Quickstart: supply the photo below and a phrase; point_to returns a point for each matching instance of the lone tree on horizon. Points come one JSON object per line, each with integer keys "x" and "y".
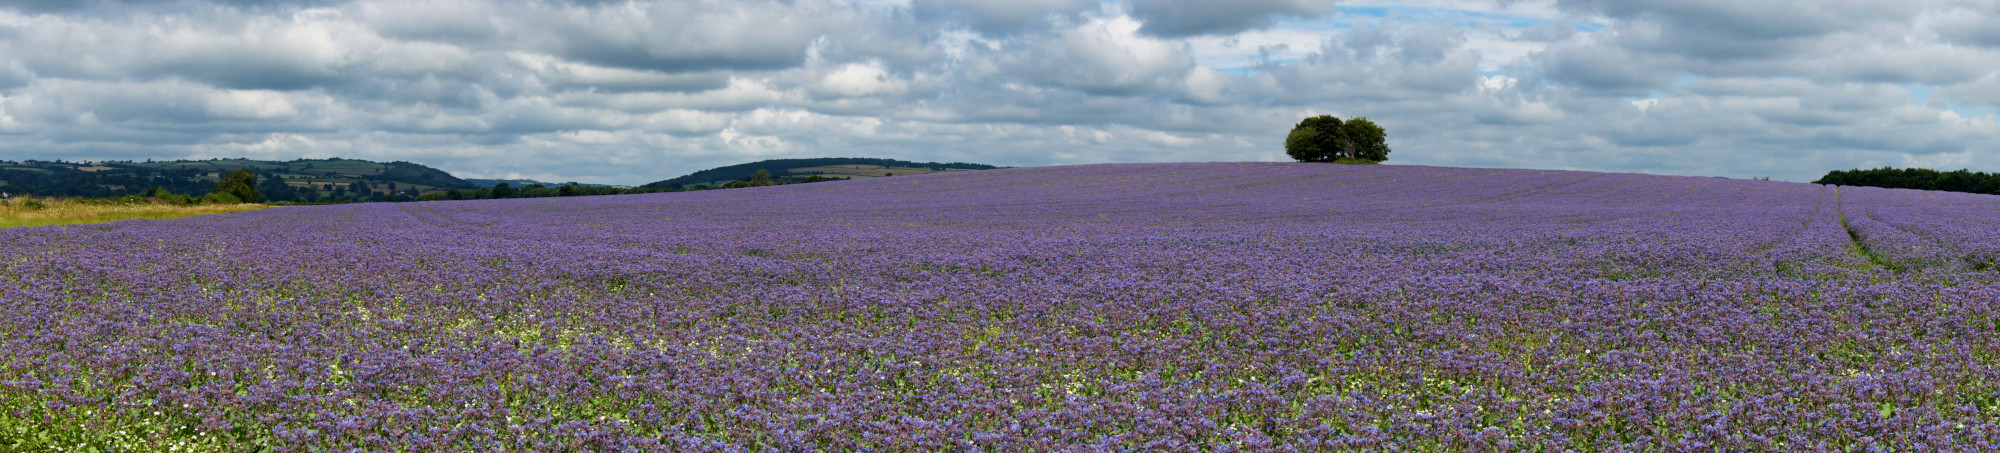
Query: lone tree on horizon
{"x": 1326, "y": 138}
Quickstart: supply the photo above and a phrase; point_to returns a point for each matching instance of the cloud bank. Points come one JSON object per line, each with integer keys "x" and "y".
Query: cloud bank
{"x": 634, "y": 91}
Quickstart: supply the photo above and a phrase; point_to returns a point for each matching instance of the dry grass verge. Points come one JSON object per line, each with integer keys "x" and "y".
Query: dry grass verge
{"x": 21, "y": 211}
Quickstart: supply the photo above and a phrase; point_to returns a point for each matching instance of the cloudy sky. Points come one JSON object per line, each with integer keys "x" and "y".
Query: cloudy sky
{"x": 633, "y": 91}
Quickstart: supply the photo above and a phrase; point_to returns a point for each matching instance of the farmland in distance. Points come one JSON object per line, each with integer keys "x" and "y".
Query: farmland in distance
{"x": 1139, "y": 307}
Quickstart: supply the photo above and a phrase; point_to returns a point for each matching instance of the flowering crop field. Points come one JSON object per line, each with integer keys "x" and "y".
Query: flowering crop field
{"x": 1144, "y": 307}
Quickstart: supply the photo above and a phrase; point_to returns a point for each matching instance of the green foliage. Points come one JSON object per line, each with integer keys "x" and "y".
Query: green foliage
{"x": 220, "y": 198}
{"x": 1314, "y": 139}
{"x": 240, "y": 185}
{"x": 162, "y": 195}
{"x": 1916, "y": 178}
{"x": 27, "y": 425}
{"x": 761, "y": 178}
{"x": 118, "y": 178}
{"x": 33, "y": 204}
{"x": 1365, "y": 140}
{"x": 1326, "y": 138}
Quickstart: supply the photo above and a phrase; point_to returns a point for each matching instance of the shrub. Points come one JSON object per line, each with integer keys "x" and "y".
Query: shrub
{"x": 220, "y": 198}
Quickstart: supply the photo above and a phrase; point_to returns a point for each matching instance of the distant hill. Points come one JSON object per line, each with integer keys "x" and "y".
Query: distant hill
{"x": 827, "y": 167}
{"x": 301, "y": 180}
{"x": 524, "y": 182}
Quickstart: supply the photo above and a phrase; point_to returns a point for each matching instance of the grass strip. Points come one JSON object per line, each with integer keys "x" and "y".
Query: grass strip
{"x": 44, "y": 212}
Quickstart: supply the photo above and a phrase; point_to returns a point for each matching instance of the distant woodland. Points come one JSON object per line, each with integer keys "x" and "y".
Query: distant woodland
{"x": 1917, "y": 178}
{"x": 297, "y": 181}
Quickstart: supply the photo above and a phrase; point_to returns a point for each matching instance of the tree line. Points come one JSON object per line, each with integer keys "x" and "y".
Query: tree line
{"x": 1916, "y": 178}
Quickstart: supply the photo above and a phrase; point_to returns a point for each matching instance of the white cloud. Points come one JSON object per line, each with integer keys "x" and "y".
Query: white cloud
{"x": 859, "y": 80}
{"x": 249, "y": 104}
{"x": 1102, "y": 56}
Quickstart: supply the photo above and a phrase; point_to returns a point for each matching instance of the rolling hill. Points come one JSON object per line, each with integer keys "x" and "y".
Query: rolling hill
{"x": 526, "y": 182}
{"x": 827, "y": 167}
{"x": 297, "y": 180}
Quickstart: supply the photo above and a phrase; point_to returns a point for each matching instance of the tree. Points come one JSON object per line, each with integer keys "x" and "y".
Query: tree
{"x": 240, "y": 185}
{"x": 1314, "y": 139}
{"x": 1326, "y": 138}
{"x": 761, "y": 178}
{"x": 274, "y": 188}
{"x": 1365, "y": 140}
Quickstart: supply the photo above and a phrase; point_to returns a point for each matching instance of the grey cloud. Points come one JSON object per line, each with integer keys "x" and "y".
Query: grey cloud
{"x": 249, "y": 70}
{"x": 1972, "y": 26}
{"x": 1552, "y": 32}
{"x": 467, "y": 21}
{"x": 14, "y": 75}
{"x": 693, "y": 35}
{"x": 1936, "y": 65}
{"x": 1629, "y": 60}
{"x": 562, "y": 75}
{"x": 1380, "y": 63}
{"x": 1749, "y": 19}
{"x": 1752, "y": 87}
{"x": 1000, "y": 17}
{"x": 1179, "y": 18}
{"x": 1101, "y": 57}
{"x": 73, "y": 6}
{"x": 69, "y": 115}
{"x": 1985, "y": 91}
{"x": 1741, "y": 32}
{"x": 1605, "y": 69}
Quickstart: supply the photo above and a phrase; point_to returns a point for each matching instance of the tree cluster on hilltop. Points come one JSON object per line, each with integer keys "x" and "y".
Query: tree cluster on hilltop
{"x": 1916, "y": 178}
{"x": 1326, "y": 138}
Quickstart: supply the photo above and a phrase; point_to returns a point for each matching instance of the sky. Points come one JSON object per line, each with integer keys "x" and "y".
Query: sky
{"x": 634, "y": 91}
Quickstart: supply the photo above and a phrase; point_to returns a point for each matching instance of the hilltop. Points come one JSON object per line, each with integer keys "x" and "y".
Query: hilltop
{"x": 824, "y": 167}
{"x": 528, "y": 182}
{"x": 303, "y": 180}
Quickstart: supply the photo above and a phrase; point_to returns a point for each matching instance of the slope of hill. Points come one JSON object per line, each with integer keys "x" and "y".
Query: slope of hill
{"x": 526, "y": 182}
{"x": 297, "y": 180}
{"x": 828, "y": 167}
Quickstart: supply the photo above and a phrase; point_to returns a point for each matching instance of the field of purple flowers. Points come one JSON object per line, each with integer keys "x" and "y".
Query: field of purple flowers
{"x": 1154, "y": 307}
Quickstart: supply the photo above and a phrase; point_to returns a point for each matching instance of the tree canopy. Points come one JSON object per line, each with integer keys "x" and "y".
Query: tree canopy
{"x": 1326, "y": 138}
{"x": 1916, "y": 178}
{"x": 240, "y": 185}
